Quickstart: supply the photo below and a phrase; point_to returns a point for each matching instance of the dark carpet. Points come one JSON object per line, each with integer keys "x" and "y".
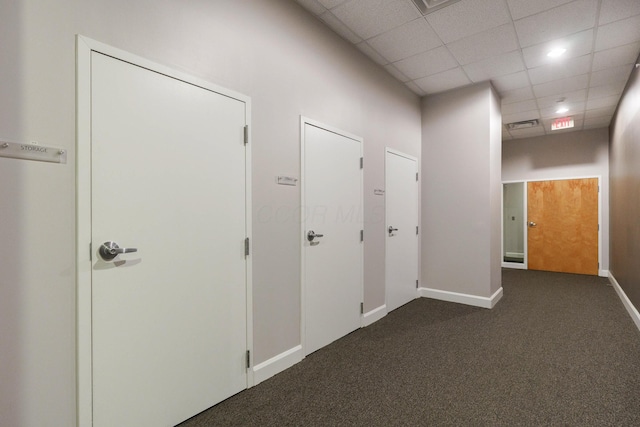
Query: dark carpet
{"x": 558, "y": 349}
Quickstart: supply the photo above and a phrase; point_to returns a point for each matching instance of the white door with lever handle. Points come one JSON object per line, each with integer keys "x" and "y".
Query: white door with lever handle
{"x": 331, "y": 224}
{"x": 168, "y": 285}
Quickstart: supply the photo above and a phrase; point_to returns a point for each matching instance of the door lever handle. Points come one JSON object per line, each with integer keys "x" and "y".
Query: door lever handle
{"x": 312, "y": 235}
{"x": 110, "y": 250}
{"x": 391, "y": 229}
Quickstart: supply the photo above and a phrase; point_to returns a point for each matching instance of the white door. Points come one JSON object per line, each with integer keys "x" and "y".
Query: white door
{"x": 332, "y": 261}
{"x": 169, "y": 328}
{"x": 401, "y": 200}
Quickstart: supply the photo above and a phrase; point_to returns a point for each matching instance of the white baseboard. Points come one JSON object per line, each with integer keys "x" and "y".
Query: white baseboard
{"x": 374, "y": 315}
{"x": 603, "y": 273}
{"x": 277, "y": 364}
{"x": 633, "y": 312}
{"x": 459, "y": 298}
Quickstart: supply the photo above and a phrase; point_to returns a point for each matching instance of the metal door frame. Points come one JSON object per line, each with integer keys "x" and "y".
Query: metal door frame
{"x": 84, "y": 47}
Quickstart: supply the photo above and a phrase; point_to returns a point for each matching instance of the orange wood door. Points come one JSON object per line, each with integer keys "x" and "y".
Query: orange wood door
{"x": 565, "y": 235}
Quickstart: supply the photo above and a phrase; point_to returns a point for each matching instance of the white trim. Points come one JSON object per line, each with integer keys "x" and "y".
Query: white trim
{"x": 374, "y": 315}
{"x": 603, "y": 273}
{"x": 633, "y": 311}
{"x": 265, "y": 370}
{"x": 514, "y": 265}
{"x": 84, "y": 47}
{"x": 304, "y": 121}
{"x": 459, "y": 298}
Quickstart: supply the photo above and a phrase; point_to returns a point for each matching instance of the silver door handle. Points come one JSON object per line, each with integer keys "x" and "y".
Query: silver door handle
{"x": 312, "y": 235}
{"x": 391, "y": 229}
{"x": 110, "y": 250}
{"x": 532, "y": 224}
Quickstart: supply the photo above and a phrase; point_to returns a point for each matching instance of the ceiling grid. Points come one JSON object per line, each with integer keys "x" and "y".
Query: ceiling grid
{"x": 462, "y": 42}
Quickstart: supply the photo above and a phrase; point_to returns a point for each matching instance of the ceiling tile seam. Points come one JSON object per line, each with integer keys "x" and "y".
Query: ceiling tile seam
{"x": 535, "y": 98}
{"x": 396, "y": 27}
{"x": 593, "y": 52}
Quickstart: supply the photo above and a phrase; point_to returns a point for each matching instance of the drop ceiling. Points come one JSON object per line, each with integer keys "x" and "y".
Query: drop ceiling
{"x": 463, "y": 42}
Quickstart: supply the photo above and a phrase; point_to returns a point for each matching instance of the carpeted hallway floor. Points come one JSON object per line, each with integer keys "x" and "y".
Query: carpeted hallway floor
{"x": 558, "y": 349}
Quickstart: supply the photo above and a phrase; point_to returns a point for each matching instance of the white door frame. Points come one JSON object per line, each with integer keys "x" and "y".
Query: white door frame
{"x": 84, "y": 47}
{"x": 386, "y": 239}
{"x": 525, "y": 266}
{"x": 304, "y": 121}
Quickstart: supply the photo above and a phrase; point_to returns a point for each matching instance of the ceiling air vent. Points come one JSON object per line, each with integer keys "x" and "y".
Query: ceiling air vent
{"x": 523, "y": 125}
{"x": 428, "y": 6}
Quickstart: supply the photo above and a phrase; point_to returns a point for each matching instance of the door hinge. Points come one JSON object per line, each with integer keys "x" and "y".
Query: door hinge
{"x": 362, "y": 235}
{"x": 417, "y": 284}
{"x": 361, "y": 308}
{"x": 246, "y": 134}
{"x": 361, "y": 162}
{"x": 246, "y": 247}
{"x": 416, "y": 176}
{"x": 416, "y": 230}
{"x": 248, "y": 359}
{"x": 90, "y": 251}
{"x": 598, "y": 227}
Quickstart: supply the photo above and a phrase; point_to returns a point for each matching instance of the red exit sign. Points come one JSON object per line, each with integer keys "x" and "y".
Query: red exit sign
{"x": 563, "y": 123}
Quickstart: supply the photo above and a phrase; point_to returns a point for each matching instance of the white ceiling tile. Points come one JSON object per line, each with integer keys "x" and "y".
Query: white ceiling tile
{"x": 575, "y": 110}
{"x": 521, "y": 8}
{"x": 396, "y": 73}
{"x": 368, "y": 18}
{"x": 621, "y": 55}
{"x": 519, "y": 117}
{"x": 511, "y": 81}
{"x": 443, "y": 81}
{"x": 599, "y": 112}
{"x": 406, "y": 40}
{"x": 371, "y": 53}
{"x": 568, "y": 97}
{"x": 555, "y": 87}
{"x": 528, "y": 132}
{"x": 597, "y": 122}
{"x": 506, "y": 136}
{"x": 618, "y": 33}
{"x": 597, "y": 103}
{"x": 313, "y": 6}
{"x": 614, "y": 89}
{"x": 556, "y": 23}
{"x": 614, "y": 10}
{"x": 484, "y": 45}
{"x": 427, "y": 63}
{"x": 611, "y": 75}
{"x": 561, "y": 69}
{"x": 516, "y": 95}
{"x": 415, "y": 88}
{"x": 468, "y": 17}
{"x": 519, "y": 107}
{"x": 336, "y": 25}
{"x": 578, "y": 44}
{"x": 497, "y": 66}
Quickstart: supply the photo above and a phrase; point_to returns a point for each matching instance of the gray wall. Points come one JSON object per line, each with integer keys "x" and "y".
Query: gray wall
{"x": 461, "y": 191}
{"x": 565, "y": 155}
{"x": 270, "y": 50}
{"x": 625, "y": 191}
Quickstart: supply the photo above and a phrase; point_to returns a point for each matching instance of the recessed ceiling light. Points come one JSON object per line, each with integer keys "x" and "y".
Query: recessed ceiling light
{"x": 562, "y": 110}
{"x": 556, "y": 52}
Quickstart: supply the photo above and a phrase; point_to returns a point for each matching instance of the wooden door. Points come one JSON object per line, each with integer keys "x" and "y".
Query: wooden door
{"x": 563, "y": 225}
{"x": 169, "y": 329}
{"x": 333, "y": 259}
